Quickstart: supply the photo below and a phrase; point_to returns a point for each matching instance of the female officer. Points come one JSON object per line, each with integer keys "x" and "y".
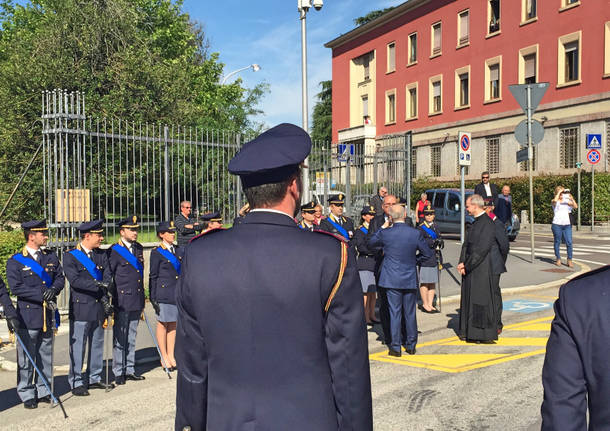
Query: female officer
{"x": 428, "y": 271}
{"x": 366, "y": 264}
{"x": 164, "y": 272}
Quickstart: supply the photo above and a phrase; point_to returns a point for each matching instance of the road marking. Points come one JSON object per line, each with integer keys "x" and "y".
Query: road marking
{"x": 536, "y": 327}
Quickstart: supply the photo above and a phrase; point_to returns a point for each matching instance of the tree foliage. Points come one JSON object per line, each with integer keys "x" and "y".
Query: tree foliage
{"x": 371, "y": 16}
{"x": 141, "y": 60}
{"x": 322, "y": 127}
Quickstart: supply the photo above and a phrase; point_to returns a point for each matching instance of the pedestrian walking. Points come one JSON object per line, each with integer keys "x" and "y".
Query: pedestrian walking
{"x": 186, "y": 226}
{"x": 478, "y": 319}
{"x": 366, "y": 264}
{"x": 575, "y": 375}
{"x": 429, "y": 267}
{"x": 486, "y": 189}
{"x": 377, "y": 200}
{"x": 88, "y": 272}
{"x": 307, "y": 212}
{"x": 126, "y": 259}
{"x": 271, "y": 331}
{"x": 165, "y": 268}
{"x": 398, "y": 275}
{"x": 563, "y": 204}
{"x": 422, "y": 203}
{"x": 35, "y": 276}
{"x": 336, "y": 223}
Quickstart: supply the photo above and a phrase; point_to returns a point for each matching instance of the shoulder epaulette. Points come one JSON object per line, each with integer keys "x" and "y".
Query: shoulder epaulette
{"x": 207, "y": 232}
{"x": 339, "y": 237}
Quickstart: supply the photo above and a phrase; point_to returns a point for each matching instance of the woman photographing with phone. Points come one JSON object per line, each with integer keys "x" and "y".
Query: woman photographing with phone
{"x": 563, "y": 204}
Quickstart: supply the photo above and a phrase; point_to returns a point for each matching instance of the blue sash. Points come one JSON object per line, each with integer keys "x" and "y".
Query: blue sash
{"x": 36, "y": 268}
{"x": 172, "y": 259}
{"x": 429, "y": 231}
{"x": 339, "y": 228}
{"x": 89, "y": 265}
{"x": 57, "y": 318}
{"x": 125, "y": 254}
{"x": 364, "y": 230}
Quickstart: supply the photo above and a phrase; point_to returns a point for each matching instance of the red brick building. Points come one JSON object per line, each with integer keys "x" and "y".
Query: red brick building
{"x": 436, "y": 67}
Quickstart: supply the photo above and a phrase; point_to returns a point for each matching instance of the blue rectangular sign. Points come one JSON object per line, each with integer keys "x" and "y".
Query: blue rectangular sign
{"x": 526, "y": 305}
{"x": 343, "y": 151}
{"x": 594, "y": 141}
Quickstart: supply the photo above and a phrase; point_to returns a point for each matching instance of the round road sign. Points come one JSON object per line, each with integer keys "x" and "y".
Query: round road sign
{"x": 465, "y": 143}
{"x": 594, "y": 156}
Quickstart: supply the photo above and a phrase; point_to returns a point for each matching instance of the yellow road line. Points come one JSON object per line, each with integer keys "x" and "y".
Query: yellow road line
{"x": 534, "y": 327}
{"x": 528, "y": 322}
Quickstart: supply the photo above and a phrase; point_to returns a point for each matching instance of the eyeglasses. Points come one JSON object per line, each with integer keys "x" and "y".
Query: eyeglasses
{"x": 188, "y": 208}
{"x": 485, "y": 178}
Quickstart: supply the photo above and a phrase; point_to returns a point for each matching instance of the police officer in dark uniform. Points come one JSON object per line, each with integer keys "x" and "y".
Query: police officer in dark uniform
{"x": 87, "y": 270}
{"x": 336, "y": 223}
{"x": 271, "y": 331}
{"x": 307, "y": 212}
{"x": 366, "y": 264}
{"x": 165, "y": 267}
{"x": 187, "y": 226}
{"x": 428, "y": 266}
{"x": 35, "y": 276}
{"x": 126, "y": 259}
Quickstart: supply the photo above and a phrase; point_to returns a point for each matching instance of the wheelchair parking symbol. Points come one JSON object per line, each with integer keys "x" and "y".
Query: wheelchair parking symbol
{"x": 525, "y": 306}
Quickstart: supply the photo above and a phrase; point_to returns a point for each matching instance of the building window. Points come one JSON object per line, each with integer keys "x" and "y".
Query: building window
{"x": 414, "y": 163}
{"x": 391, "y": 57}
{"x": 463, "y": 28}
{"x": 523, "y": 165}
{"x": 493, "y": 79}
{"x": 607, "y": 48}
{"x": 493, "y": 14}
{"x": 568, "y": 152}
{"x": 462, "y": 87}
{"x": 435, "y": 159}
{"x": 413, "y": 48}
{"x": 568, "y": 61}
{"x": 365, "y": 107}
{"x": 528, "y": 65}
{"x": 528, "y": 10}
{"x": 412, "y": 101}
{"x": 435, "y": 102}
{"x": 366, "y": 63}
{"x": 493, "y": 155}
{"x": 436, "y": 39}
{"x": 390, "y": 107}
{"x": 569, "y": 3}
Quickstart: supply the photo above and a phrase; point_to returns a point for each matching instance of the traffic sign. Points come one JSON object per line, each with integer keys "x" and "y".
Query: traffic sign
{"x": 464, "y": 141}
{"x": 521, "y": 132}
{"x": 522, "y": 155}
{"x": 519, "y": 92}
{"x": 594, "y": 141}
{"x": 344, "y": 151}
{"x": 593, "y": 157}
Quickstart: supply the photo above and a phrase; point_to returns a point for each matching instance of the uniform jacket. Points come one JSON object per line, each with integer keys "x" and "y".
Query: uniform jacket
{"x": 163, "y": 276}
{"x": 366, "y": 256}
{"x": 374, "y": 226}
{"x": 304, "y": 226}
{"x": 28, "y": 287}
{"x": 5, "y": 301}
{"x": 84, "y": 293}
{"x": 429, "y": 261}
{"x": 286, "y": 364}
{"x": 400, "y": 245}
{"x": 346, "y": 223}
{"x": 499, "y": 253}
{"x": 184, "y": 234}
{"x": 128, "y": 280}
{"x": 479, "y": 189}
{"x": 575, "y": 375}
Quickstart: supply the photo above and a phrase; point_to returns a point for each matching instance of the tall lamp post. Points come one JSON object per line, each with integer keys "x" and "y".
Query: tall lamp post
{"x": 255, "y": 68}
{"x": 304, "y": 6}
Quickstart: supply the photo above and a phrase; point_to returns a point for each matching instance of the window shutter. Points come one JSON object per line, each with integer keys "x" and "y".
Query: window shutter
{"x": 494, "y": 72}
{"x": 530, "y": 66}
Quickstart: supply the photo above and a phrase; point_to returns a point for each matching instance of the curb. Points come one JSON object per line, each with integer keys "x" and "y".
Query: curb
{"x": 530, "y": 287}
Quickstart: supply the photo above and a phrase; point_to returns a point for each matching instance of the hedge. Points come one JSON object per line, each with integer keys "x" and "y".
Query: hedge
{"x": 10, "y": 243}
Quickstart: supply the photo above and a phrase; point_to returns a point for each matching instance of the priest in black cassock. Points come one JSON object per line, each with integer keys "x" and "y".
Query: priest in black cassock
{"x": 478, "y": 319}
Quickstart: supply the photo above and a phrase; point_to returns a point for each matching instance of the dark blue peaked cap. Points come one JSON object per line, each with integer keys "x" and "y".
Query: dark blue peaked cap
{"x": 272, "y": 157}
{"x": 94, "y": 226}
{"x": 35, "y": 225}
{"x": 166, "y": 226}
{"x": 213, "y": 216}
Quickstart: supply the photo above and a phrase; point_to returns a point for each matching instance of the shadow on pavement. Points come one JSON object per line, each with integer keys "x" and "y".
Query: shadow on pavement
{"x": 454, "y": 321}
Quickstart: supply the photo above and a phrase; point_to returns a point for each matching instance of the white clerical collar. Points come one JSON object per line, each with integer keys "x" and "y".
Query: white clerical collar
{"x": 31, "y": 250}
{"x": 271, "y": 210}
{"x": 479, "y": 215}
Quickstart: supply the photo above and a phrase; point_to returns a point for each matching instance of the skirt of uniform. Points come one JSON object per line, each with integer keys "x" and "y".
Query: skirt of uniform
{"x": 168, "y": 313}
{"x": 367, "y": 280}
{"x": 428, "y": 274}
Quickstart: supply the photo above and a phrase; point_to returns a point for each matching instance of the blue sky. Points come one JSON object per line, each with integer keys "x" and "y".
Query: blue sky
{"x": 269, "y": 33}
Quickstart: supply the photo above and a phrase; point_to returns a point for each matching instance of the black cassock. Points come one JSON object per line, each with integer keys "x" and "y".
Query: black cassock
{"x": 478, "y": 308}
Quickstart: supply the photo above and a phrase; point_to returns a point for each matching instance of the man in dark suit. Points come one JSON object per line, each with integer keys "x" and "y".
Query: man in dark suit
{"x": 86, "y": 268}
{"x": 485, "y": 189}
{"x": 504, "y": 206}
{"x": 398, "y": 275}
{"x": 575, "y": 375}
{"x": 296, "y": 356}
{"x": 377, "y": 200}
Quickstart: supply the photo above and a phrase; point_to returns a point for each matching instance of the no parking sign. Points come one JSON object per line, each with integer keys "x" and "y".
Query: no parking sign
{"x": 594, "y": 156}
{"x": 464, "y": 141}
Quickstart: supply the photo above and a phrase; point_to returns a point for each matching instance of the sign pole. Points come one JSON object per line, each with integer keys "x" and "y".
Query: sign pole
{"x": 578, "y": 225}
{"x": 530, "y": 162}
{"x": 592, "y": 197}
{"x": 463, "y": 206}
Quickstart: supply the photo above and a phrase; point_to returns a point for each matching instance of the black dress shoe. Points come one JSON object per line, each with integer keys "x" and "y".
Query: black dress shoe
{"x": 30, "y": 404}
{"x": 99, "y": 385}
{"x": 410, "y": 351}
{"x": 119, "y": 380}
{"x": 134, "y": 377}
{"x": 172, "y": 369}
{"x": 80, "y": 391}
{"x": 45, "y": 399}
{"x": 391, "y": 352}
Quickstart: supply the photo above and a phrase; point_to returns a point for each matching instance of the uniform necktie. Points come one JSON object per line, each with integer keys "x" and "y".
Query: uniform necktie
{"x": 90, "y": 254}
{"x": 37, "y": 256}
{"x": 171, "y": 250}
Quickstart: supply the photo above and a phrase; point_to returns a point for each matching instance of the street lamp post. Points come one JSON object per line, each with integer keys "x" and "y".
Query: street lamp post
{"x": 255, "y": 67}
{"x": 303, "y": 7}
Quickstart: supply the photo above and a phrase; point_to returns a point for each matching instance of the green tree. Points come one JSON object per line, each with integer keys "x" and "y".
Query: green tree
{"x": 141, "y": 60}
{"x": 322, "y": 127}
{"x": 371, "y": 16}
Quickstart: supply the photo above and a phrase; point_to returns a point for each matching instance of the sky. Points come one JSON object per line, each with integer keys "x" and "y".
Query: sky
{"x": 269, "y": 33}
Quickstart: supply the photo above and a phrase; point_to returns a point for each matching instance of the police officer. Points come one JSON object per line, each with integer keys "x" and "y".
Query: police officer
{"x": 187, "y": 226}
{"x": 86, "y": 268}
{"x": 212, "y": 220}
{"x": 8, "y": 309}
{"x": 296, "y": 356}
{"x": 126, "y": 259}
{"x": 336, "y": 223}
{"x": 307, "y": 211}
{"x": 35, "y": 276}
{"x": 428, "y": 267}
{"x": 165, "y": 266}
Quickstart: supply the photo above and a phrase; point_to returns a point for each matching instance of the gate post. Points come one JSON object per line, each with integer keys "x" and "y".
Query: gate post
{"x": 166, "y": 170}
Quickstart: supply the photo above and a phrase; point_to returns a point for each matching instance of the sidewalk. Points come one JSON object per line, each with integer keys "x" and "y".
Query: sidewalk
{"x": 599, "y": 233}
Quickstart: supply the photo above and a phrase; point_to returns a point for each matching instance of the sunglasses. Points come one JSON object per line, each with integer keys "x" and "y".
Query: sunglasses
{"x": 485, "y": 178}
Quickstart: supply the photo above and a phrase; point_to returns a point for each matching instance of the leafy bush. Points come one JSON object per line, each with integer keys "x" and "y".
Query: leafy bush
{"x": 10, "y": 243}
